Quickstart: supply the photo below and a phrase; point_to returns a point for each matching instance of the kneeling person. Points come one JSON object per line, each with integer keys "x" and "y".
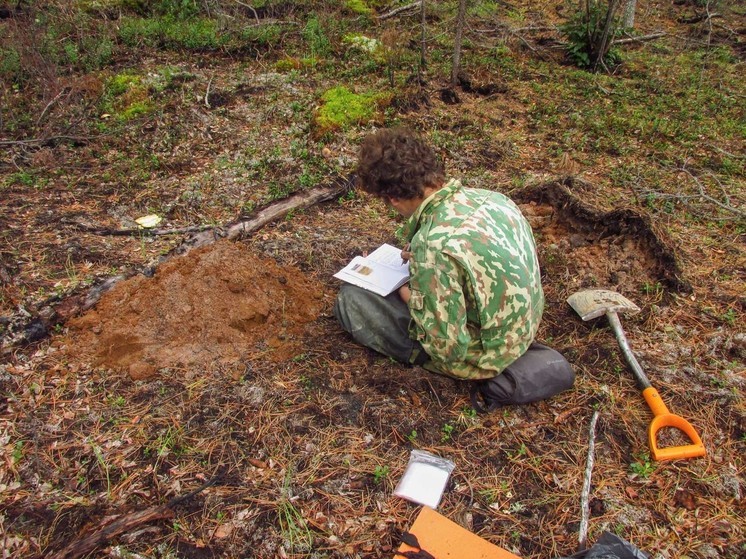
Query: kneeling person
{"x": 474, "y": 299}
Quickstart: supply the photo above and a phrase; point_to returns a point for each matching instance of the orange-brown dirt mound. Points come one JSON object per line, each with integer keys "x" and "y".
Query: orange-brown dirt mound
{"x": 216, "y": 305}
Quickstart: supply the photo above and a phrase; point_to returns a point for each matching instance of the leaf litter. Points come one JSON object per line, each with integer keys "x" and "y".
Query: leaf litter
{"x": 176, "y": 378}
{"x": 226, "y": 361}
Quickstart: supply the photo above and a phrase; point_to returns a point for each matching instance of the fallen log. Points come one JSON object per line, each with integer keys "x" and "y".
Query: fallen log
{"x": 202, "y": 235}
{"x": 243, "y": 228}
{"x": 126, "y": 523}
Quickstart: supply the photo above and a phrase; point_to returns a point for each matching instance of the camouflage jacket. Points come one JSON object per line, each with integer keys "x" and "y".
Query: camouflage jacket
{"x": 476, "y": 298}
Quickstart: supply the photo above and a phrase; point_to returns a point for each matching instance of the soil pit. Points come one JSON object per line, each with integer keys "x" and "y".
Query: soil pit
{"x": 217, "y": 305}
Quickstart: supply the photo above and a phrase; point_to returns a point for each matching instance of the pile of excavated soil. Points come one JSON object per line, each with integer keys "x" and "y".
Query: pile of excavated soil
{"x": 214, "y": 306}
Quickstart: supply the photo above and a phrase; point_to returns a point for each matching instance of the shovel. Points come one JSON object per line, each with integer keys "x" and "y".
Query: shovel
{"x": 593, "y": 303}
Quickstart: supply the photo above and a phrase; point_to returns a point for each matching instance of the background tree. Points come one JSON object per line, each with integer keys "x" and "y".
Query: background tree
{"x": 456, "y": 68}
{"x": 423, "y": 43}
{"x": 628, "y": 16}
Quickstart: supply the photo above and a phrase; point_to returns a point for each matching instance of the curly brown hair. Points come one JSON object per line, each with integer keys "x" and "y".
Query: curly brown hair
{"x": 396, "y": 163}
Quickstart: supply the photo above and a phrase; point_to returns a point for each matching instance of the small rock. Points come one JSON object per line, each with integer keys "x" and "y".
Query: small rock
{"x": 577, "y": 240}
{"x": 35, "y": 331}
{"x": 140, "y": 371}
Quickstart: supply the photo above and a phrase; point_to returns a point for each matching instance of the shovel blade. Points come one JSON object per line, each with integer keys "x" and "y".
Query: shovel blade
{"x": 592, "y": 303}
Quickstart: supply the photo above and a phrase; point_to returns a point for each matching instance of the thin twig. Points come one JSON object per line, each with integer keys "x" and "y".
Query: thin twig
{"x": 584, "y": 496}
{"x": 272, "y": 21}
{"x": 729, "y": 154}
{"x": 45, "y": 140}
{"x": 641, "y": 39}
{"x": 709, "y": 198}
{"x": 434, "y": 392}
{"x": 256, "y": 16}
{"x": 397, "y": 11}
{"x": 52, "y": 102}
{"x": 207, "y": 93}
{"x": 705, "y": 16}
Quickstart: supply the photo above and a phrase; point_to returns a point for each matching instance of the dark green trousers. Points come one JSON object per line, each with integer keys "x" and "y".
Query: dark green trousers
{"x": 380, "y": 323}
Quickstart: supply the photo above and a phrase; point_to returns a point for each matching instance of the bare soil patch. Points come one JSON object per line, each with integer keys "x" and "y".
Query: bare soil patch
{"x": 215, "y": 305}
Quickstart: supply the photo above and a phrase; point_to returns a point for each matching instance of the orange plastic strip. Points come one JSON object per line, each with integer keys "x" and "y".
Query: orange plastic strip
{"x": 444, "y": 539}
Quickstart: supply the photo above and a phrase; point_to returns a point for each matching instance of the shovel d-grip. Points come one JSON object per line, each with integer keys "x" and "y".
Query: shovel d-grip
{"x": 594, "y": 303}
{"x": 664, "y": 418}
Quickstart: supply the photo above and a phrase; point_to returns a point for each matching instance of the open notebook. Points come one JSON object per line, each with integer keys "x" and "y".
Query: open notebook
{"x": 382, "y": 271}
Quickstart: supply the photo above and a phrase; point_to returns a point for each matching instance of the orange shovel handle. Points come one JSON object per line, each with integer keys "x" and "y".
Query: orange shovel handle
{"x": 664, "y": 418}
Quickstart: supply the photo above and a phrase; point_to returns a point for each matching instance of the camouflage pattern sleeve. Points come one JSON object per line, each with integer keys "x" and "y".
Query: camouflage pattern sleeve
{"x": 438, "y": 306}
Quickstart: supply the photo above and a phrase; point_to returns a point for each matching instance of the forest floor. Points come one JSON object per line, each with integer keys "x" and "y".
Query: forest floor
{"x": 135, "y": 369}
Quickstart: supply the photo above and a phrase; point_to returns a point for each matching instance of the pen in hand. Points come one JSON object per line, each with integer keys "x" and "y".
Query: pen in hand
{"x": 405, "y": 254}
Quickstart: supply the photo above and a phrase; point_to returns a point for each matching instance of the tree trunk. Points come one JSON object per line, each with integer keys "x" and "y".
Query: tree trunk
{"x": 604, "y": 42}
{"x": 628, "y": 18}
{"x": 423, "y": 45}
{"x": 457, "y": 42}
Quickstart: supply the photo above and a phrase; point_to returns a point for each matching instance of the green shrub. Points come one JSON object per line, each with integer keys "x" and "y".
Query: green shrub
{"x": 193, "y": 34}
{"x": 98, "y": 53}
{"x": 263, "y": 36}
{"x": 589, "y": 34}
{"x": 315, "y": 36}
{"x": 179, "y": 9}
{"x": 135, "y": 31}
{"x": 10, "y": 64}
{"x": 89, "y": 55}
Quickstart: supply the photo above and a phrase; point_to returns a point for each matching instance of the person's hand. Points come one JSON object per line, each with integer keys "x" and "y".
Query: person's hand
{"x": 405, "y": 293}
{"x": 405, "y": 254}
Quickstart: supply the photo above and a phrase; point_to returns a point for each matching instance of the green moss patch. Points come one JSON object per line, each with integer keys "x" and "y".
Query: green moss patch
{"x": 343, "y": 108}
{"x": 358, "y": 7}
{"x": 126, "y": 96}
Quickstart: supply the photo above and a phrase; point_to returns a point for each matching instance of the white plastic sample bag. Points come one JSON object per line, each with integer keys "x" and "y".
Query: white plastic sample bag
{"x": 424, "y": 479}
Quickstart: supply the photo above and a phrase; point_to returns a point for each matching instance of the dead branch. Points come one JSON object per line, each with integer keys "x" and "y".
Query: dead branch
{"x": 585, "y": 494}
{"x": 204, "y": 235}
{"x": 52, "y": 102}
{"x": 45, "y": 141}
{"x": 273, "y": 21}
{"x": 703, "y": 195}
{"x": 263, "y": 217}
{"x": 691, "y": 199}
{"x": 126, "y": 523}
{"x": 641, "y": 39}
{"x": 236, "y": 230}
{"x": 726, "y": 153}
{"x": 704, "y": 16}
{"x": 207, "y": 93}
{"x": 135, "y": 232}
{"x": 266, "y": 21}
{"x": 528, "y": 45}
{"x": 397, "y": 11}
